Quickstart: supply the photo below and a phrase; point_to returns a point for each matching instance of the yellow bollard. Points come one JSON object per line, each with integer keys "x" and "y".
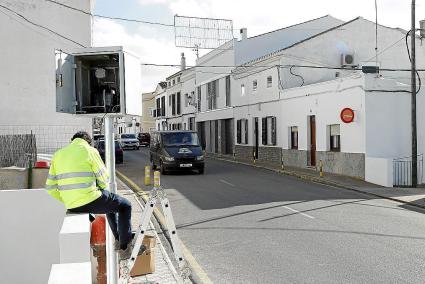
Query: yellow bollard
{"x": 156, "y": 179}
{"x": 147, "y": 175}
{"x": 321, "y": 168}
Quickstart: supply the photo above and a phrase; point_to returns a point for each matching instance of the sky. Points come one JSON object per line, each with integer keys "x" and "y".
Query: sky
{"x": 156, "y": 44}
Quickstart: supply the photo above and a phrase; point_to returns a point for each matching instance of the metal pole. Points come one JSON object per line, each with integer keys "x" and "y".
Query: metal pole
{"x": 111, "y": 255}
{"x": 413, "y": 91}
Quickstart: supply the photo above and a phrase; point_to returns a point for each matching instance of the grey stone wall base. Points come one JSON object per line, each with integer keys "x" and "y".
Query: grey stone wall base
{"x": 270, "y": 155}
{"x": 243, "y": 153}
{"x": 349, "y": 164}
{"x": 294, "y": 158}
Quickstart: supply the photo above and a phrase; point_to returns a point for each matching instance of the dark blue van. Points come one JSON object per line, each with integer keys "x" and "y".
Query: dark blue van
{"x": 176, "y": 150}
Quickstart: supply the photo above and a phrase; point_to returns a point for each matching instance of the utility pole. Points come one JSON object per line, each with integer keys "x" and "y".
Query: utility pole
{"x": 111, "y": 255}
{"x": 413, "y": 102}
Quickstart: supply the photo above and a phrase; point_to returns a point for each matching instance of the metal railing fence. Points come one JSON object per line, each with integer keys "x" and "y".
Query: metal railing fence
{"x": 402, "y": 171}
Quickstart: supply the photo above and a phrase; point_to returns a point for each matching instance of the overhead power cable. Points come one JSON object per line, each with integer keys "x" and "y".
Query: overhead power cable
{"x": 282, "y": 66}
{"x": 40, "y": 26}
{"x": 410, "y": 58}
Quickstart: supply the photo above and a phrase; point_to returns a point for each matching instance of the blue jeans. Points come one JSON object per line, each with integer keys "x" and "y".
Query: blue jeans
{"x": 117, "y": 210}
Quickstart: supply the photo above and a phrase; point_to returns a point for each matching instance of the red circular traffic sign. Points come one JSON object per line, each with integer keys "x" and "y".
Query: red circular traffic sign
{"x": 347, "y": 115}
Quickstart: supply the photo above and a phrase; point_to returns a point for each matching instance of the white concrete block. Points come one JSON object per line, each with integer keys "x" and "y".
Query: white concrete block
{"x": 379, "y": 171}
{"x": 32, "y": 220}
{"x": 74, "y": 239}
{"x": 71, "y": 273}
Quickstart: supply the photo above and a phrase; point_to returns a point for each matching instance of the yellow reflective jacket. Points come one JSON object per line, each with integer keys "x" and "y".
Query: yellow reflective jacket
{"x": 76, "y": 172}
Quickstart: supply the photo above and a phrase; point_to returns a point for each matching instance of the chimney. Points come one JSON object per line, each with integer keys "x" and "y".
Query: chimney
{"x": 243, "y": 33}
{"x": 183, "y": 62}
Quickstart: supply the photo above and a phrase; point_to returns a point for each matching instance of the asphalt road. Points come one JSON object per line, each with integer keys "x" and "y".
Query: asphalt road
{"x": 248, "y": 225}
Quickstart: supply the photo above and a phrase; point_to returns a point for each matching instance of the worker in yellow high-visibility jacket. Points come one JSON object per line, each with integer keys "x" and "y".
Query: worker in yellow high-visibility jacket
{"x": 78, "y": 177}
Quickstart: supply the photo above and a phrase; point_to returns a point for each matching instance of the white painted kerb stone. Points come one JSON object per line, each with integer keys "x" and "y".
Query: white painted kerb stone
{"x": 71, "y": 273}
{"x": 74, "y": 239}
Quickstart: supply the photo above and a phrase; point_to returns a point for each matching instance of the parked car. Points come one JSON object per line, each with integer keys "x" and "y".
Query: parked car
{"x": 129, "y": 141}
{"x": 119, "y": 155}
{"x": 176, "y": 150}
{"x": 144, "y": 139}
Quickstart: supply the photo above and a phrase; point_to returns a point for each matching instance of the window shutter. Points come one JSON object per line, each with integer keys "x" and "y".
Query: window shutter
{"x": 334, "y": 129}
{"x": 264, "y": 130}
{"x": 246, "y": 131}
{"x": 179, "y": 103}
{"x": 273, "y": 130}
{"x": 216, "y": 92}
{"x": 238, "y": 135}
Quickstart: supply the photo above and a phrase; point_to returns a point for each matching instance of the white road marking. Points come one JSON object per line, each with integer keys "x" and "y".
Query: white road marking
{"x": 226, "y": 182}
{"x": 296, "y": 211}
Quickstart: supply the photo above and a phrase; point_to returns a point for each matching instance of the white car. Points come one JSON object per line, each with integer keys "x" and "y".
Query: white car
{"x": 129, "y": 141}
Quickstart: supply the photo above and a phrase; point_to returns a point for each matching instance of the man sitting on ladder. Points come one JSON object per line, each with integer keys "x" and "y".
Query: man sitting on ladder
{"x": 78, "y": 178}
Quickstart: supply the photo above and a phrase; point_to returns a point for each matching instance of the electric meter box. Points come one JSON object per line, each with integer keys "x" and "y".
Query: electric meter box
{"x": 98, "y": 80}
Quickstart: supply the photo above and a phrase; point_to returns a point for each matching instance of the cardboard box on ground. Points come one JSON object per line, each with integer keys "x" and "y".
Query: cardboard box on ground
{"x": 145, "y": 262}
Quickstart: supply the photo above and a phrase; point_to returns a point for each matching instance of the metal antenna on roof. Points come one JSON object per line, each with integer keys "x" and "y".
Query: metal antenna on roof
{"x": 196, "y": 49}
{"x": 205, "y": 33}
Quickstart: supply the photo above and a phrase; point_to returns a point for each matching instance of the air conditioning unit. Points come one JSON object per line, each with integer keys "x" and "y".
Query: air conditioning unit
{"x": 347, "y": 59}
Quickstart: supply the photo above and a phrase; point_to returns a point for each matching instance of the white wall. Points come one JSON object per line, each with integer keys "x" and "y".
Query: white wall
{"x": 325, "y": 101}
{"x": 255, "y": 47}
{"x": 28, "y": 60}
{"x": 388, "y": 132}
{"x": 356, "y": 37}
{"x": 188, "y": 86}
{"x": 30, "y": 223}
{"x": 222, "y": 56}
{"x": 379, "y": 171}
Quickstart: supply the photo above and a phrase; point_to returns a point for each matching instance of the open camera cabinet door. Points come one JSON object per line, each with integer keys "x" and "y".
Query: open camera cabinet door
{"x": 98, "y": 80}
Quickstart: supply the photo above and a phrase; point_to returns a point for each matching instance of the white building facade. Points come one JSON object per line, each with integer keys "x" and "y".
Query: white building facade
{"x": 289, "y": 113}
{"x": 282, "y": 104}
{"x": 28, "y": 83}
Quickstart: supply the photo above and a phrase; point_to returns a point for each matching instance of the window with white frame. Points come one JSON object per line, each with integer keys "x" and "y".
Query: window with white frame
{"x": 268, "y": 130}
{"x": 186, "y": 100}
{"x": 173, "y": 104}
{"x": 242, "y": 90}
{"x": 191, "y": 123}
{"x": 158, "y": 107}
{"x": 269, "y": 81}
{"x": 294, "y": 137}
{"x": 198, "y": 103}
{"x": 212, "y": 94}
{"x": 178, "y": 103}
{"x": 334, "y": 138}
{"x": 254, "y": 85}
{"x": 163, "y": 106}
{"x": 242, "y": 131}
{"x": 228, "y": 97}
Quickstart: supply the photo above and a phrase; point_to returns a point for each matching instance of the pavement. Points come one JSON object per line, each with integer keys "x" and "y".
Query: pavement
{"x": 242, "y": 224}
{"x": 164, "y": 268}
{"x": 411, "y": 196}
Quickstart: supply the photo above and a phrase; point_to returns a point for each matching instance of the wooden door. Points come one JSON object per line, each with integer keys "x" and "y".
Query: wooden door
{"x": 255, "y": 154}
{"x": 312, "y": 140}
